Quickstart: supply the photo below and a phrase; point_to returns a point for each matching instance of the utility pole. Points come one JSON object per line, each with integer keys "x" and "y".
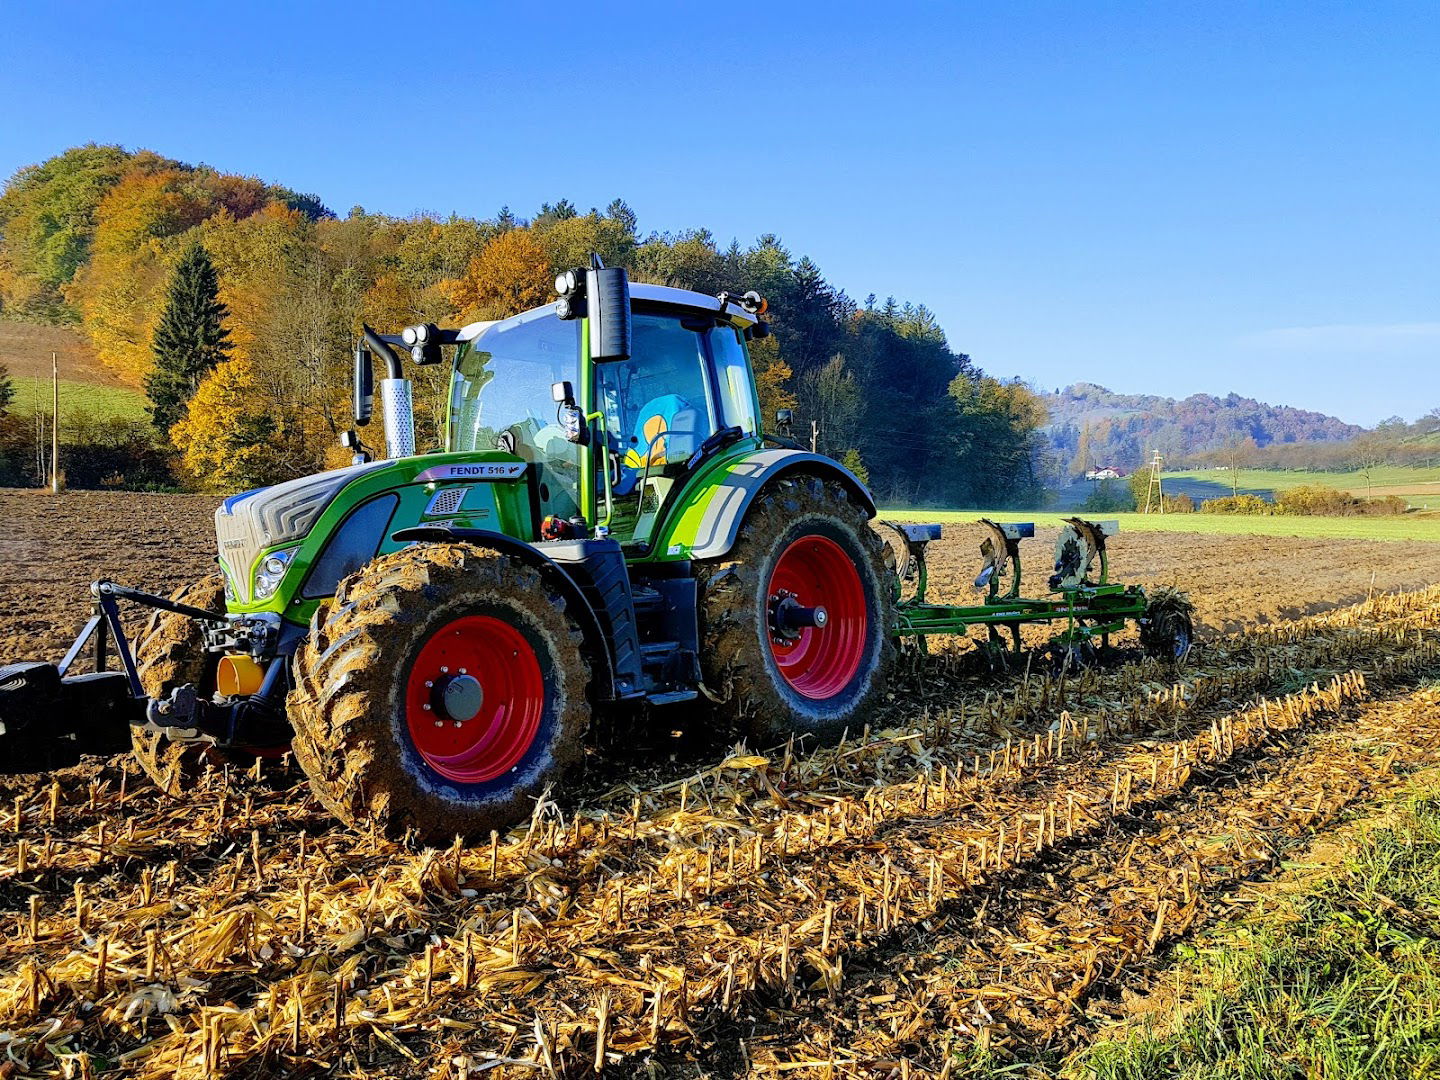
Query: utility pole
{"x": 1154, "y": 487}
{"x": 55, "y": 426}
{"x": 814, "y": 436}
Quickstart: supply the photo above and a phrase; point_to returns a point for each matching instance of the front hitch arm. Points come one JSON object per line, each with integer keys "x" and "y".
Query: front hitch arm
{"x": 104, "y": 624}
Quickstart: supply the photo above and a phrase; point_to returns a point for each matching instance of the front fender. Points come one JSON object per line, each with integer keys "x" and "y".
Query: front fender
{"x": 596, "y": 647}
{"x": 708, "y": 519}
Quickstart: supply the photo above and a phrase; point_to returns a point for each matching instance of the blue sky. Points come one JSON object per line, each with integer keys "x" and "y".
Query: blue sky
{"x": 1162, "y": 197}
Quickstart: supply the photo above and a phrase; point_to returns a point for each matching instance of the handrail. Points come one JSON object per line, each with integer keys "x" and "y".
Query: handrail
{"x": 604, "y": 463}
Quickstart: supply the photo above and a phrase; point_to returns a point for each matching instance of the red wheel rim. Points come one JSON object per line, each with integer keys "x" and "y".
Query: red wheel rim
{"x": 478, "y": 748}
{"x": 820, "y": 662}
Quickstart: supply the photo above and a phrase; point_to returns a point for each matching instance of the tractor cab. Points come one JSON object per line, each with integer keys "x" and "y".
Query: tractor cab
{"x": 608, "y": 437}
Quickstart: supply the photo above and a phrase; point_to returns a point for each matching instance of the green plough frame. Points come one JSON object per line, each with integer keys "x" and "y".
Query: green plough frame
{"x": 1089, "y": 610}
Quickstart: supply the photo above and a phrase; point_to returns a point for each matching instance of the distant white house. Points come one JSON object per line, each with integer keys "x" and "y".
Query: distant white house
{"x": 1106, "y": 473}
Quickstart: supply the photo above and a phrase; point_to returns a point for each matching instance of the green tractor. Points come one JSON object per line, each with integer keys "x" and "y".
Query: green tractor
{"x": 606, "y": 526}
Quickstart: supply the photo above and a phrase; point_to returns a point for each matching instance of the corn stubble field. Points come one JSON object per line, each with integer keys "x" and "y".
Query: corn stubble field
{"x": 993, "y": 871}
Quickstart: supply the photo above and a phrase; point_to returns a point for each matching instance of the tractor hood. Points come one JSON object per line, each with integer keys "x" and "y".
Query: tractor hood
{"x": 254, "y": 521}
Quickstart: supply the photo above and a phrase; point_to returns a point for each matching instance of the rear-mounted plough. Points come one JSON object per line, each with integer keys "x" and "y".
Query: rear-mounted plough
{"x": 1082, "y": 597}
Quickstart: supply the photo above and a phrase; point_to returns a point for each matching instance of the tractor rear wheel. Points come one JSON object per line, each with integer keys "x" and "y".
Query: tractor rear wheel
{"x": 441, "y": 690}
{"x": 796, "y": 617}
{"x": 170, "y": 652}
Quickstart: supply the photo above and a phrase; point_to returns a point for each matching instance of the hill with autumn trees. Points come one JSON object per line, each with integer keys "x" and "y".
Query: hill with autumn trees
{"x": 92, "y": 238}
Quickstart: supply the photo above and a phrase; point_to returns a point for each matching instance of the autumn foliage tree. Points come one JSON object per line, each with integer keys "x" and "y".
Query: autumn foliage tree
{"x": 511, "y": 274}
{"x": 48, "y": 214}
{"x": 190, "y": 340}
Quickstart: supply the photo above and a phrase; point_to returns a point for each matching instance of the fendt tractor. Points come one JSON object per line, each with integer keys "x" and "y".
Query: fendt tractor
{"x": 606, "y": 526}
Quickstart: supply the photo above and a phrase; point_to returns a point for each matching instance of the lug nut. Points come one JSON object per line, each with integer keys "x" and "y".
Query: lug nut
{"x": 428, "y": 685}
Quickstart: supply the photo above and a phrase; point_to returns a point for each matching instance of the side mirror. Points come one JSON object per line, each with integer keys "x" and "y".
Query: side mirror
{"x": 570, "y": 416}
{"x": 364, "y": 386}
{"x": 784, "y": 418}
{"x": 607, "y": 301}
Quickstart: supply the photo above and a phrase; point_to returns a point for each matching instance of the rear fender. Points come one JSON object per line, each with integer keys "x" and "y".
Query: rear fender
{"x": 707, "y": 522}
{"x": 596, "y": 650}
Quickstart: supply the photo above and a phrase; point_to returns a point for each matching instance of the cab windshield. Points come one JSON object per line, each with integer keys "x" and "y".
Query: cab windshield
{"x": 500, "y": 400}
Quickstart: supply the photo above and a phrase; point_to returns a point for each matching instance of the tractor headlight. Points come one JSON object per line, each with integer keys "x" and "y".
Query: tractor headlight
{"x": 229, "y": 585}
{"x": 271, "y": 572}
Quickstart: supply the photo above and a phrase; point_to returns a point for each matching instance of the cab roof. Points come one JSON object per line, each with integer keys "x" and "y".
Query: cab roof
{"x": 652, "y": 294}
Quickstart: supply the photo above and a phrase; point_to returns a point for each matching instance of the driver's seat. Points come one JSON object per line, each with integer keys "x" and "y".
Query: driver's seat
{"x": 665, "y": 432}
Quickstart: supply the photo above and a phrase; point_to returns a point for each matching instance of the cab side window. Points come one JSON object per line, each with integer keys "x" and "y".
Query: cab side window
{"x": 656, "y": 404}
{"x": 732, "y": 372}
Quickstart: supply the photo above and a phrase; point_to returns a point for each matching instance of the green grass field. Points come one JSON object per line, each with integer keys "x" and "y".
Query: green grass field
{"x": 1341, "y": 980}
{"x": 79, "y": 398}
{"x": 1405, "y": 527}
{"x": 1419, "y": 485}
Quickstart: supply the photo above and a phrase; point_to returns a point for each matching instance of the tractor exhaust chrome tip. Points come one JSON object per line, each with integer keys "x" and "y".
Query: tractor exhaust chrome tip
{"x": 397, "y": 403}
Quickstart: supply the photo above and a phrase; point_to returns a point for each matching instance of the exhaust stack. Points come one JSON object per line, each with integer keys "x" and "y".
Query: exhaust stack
{"x": 397, "y": 404}
{"x": 396, "y": 396}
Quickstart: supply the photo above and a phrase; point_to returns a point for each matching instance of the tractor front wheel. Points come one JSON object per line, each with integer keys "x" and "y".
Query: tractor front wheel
{"x": 796, "y": 618}
{"x": 169, "y": 653}
{"x": 442, "y": 690}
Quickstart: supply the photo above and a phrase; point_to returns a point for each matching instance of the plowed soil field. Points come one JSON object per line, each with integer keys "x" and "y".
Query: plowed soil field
{"x": 992, "y": 870}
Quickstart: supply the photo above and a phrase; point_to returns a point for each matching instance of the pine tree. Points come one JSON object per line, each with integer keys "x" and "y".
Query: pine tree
{"x": 7, "y": 389}
{"x": 856, "y": 465}
{"x": 190, "y": 340}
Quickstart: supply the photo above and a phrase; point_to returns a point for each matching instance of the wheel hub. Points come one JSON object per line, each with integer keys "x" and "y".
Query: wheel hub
{"x": 817, "y": 616}
{"x": 788, "y": 617}
{"x": 458, "y": 697}
{"x": 475, "y": 696}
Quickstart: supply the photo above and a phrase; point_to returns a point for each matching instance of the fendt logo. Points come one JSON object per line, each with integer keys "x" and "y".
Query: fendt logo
{"x": 502, "y": 470}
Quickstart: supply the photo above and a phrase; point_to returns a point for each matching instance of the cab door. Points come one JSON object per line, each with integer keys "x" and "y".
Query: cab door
{"x": 659, "y": 406}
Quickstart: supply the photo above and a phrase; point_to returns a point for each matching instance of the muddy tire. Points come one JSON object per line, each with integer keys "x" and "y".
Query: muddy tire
{"x": 442, "y": 690}
{"x": 804, "y": 542}
{"x": 170, "y": 652}
{"x": 1167, "y": 629}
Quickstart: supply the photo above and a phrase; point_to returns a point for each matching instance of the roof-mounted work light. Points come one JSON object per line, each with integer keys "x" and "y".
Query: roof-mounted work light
{"x": 424, "y": 342}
